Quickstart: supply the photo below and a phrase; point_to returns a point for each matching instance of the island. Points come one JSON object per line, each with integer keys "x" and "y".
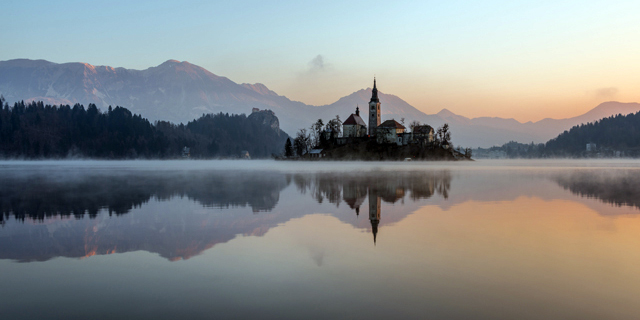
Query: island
{"x": 353, "y": 139}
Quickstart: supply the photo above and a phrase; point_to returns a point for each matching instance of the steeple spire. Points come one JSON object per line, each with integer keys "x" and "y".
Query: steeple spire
{"x": 374, "y": 92}
{"x": 374, "y": 230}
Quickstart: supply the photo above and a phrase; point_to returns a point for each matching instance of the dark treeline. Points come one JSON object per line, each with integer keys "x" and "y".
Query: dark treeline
{"x": 614, "y": 136}
{"x": 35, "y": 130}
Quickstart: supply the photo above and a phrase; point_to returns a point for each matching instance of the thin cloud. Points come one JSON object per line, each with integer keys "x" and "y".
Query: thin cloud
{"x": 316, "y": 64}
{"x": 608, "y": 93}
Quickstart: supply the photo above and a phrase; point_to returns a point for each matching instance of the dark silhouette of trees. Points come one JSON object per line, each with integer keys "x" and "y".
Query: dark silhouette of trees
{"x": 443, "y": 136}
{"x": 302, "y": 142}
{"x": 613, "y": 134}
{"x": 35, "y": 130}
{"x": 288, "y": 149}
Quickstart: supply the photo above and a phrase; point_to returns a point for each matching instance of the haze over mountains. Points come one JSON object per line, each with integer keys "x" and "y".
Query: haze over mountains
{"x": 180, "y": 92}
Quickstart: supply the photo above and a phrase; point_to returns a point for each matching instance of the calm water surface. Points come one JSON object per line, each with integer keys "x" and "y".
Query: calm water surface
{"x": 279, "y": 240}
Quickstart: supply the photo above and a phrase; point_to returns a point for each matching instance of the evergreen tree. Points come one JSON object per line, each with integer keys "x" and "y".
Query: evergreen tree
{"x": 288, "y": 149}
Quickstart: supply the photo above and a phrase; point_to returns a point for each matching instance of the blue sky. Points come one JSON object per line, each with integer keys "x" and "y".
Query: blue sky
{"x": 523, "y": 59}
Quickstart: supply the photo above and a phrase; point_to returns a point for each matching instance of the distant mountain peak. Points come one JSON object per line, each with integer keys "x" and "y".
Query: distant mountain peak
{"x": 26, "y": 63}
{"x": 259, "y": 88}
{"x": 446, "y": 113}
{"x": 171, "y": 62}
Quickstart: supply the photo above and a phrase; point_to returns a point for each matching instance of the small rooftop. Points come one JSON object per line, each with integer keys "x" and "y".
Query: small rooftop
{"x": 354, "y": 119}
{"x": 422, "y": 129}
{"x": 391, "y": 124}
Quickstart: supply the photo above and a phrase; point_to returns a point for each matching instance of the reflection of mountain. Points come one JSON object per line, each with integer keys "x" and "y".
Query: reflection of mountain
{"x": 620, "y": 187}
{"x": 175, "y": 230}
{"x": 44, "y": 196}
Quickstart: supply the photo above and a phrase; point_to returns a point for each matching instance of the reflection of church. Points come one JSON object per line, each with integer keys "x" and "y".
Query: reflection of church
{"x": 378, "y": 187}
{"x": 388, "y": 188}
{"x": 355, "y": 194}
{"x": 374, "y": 214}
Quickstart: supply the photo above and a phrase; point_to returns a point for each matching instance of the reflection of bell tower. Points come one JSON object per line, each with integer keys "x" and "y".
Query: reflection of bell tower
{"x": 374, "y": 214}
{"x": 374, "y": 110}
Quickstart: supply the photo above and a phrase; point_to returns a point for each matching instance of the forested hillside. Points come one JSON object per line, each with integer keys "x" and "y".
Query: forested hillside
{"x": 36, "y": 130}
{"x": 614, "y": 136}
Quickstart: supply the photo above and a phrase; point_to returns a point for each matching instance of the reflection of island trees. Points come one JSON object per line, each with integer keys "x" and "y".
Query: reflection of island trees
{"x": 40, "y": 197}
{"x": 615, "y": 187}
{"x": 389, "y": 187}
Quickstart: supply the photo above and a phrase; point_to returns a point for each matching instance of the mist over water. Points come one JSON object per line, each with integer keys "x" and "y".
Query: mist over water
{"x": 275, "y": 239}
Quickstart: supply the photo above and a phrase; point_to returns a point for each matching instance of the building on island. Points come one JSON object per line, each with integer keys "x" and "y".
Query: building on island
{"x": 316, "y": 153}
{"x": 354, "y": 126}
{"x": 355, "y": 131}
{"x": 374, "y": 110}
{"x": 422, "y": 134}
{"x": 390, "y": 131}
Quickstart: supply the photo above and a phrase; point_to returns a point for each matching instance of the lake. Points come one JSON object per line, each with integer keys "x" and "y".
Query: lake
{"x": 544, "y": 239}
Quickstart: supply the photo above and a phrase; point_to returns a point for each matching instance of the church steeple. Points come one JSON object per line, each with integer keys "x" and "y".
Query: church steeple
{"x": 374, "y": 92}
{"x": 374, "y": 110}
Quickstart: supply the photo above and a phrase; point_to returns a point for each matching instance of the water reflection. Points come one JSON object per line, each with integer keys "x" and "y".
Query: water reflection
{"x": 389, "y": 187}
{"x": 283, "y": 244}
{"x": 51, "y": 210}
{"x": 617, "y": 187}
{"x": 51, "y": 207}
{"x": 66, "y": 194}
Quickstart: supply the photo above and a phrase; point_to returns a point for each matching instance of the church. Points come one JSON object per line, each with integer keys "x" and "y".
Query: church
{"x": 389, "y": 131}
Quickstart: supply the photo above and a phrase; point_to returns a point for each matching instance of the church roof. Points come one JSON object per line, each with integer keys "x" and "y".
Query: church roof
{"x": 354, "y": 119}
{"x": 391, "y": 124}
{"x": 423, "y": 129}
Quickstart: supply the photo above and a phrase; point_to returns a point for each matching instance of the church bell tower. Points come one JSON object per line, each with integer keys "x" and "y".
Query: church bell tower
{"x": 374, "y": 110}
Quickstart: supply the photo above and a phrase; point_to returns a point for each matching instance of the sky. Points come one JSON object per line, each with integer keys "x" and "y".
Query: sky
{"x": 526, "y": 60}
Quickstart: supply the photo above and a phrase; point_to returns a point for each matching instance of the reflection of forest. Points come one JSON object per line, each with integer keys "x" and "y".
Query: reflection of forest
{"x": 43, "y": 196}
{"x": 389, "y": 187}
{"x": 619, "y": 187}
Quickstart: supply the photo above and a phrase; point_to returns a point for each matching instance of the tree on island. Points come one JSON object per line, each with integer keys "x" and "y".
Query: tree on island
{"x": 413, "y": 124}
{"x": 316, "y": 132}
{"x": 302, "y": 142}
{"x": 334, "y": 126}
{"x": 443, "y": 136}
{"x": 288, "y": 149}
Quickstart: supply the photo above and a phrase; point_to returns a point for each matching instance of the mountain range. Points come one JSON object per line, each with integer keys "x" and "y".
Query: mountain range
{"x": 180, "y": 92}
